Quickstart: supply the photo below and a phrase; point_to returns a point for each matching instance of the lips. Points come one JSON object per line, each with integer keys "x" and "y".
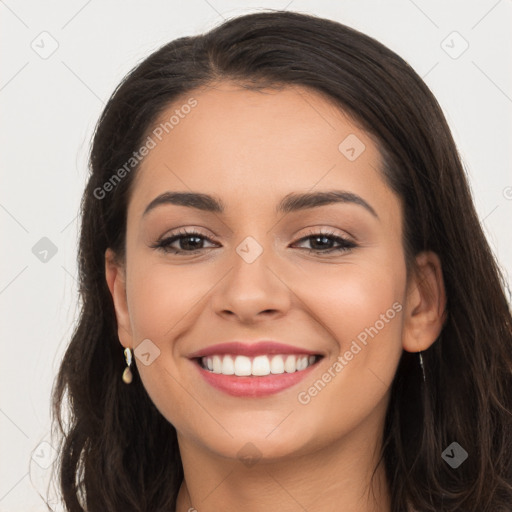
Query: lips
{"x": 240, "y": 369}
{"x": 261, "y": 348}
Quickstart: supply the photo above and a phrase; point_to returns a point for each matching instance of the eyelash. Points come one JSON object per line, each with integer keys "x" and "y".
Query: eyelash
{"x": 164, "y": 244}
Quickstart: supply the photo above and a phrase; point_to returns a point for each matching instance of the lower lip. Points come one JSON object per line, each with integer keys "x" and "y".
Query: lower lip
{"x": 252, "y": 386}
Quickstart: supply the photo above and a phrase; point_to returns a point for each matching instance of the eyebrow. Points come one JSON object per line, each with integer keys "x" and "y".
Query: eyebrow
{"x": 292, "y": 202}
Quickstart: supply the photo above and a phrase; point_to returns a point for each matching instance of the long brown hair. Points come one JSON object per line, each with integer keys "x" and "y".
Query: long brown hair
{"x": 107, "y": 459}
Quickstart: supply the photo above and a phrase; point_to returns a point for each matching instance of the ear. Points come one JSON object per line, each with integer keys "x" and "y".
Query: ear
{"x": 116, "y": 280}
{"x": 425, "y": 304}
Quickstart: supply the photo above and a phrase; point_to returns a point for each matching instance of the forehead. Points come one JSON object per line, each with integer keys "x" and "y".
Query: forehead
{"x": 255, "y": 144}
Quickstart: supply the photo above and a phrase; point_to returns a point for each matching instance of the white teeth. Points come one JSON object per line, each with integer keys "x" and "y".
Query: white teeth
{"x": 260, "y": 366}
{"x": 242, "y": 366}
{"x": 217, "y": 364}
{"x": 290, "y": 365}
{"x": 228, "y": 366}
{"x": 257, "y": 366}
{"x": 277, "y": 364}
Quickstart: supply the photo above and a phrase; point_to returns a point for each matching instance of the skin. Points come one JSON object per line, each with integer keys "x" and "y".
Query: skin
{"x": 250, "y": 149}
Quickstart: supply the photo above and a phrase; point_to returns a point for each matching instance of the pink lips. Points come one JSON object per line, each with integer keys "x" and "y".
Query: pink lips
{"x": 251, "y": 386}
{"x": 256, "y": 349}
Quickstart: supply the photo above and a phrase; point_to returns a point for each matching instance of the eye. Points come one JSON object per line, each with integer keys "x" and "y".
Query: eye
{"x": 189, "y": 242}
{"x": 322, "y": 243}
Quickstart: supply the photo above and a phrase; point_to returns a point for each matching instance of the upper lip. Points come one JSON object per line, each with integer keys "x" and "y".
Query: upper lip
{"x": 250, "y": 350}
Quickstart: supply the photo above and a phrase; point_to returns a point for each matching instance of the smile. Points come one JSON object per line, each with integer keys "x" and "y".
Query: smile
{"x": 254, "y": 370}
{"x": 255, "y": 377}
{"x": 259, "y": 366}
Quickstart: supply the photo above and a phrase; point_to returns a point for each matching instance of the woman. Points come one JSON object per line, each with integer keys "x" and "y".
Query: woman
{"x": 288, "y": 300}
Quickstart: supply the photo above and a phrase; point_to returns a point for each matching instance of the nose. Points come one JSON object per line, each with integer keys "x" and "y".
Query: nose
{"x": 252, "y": 290}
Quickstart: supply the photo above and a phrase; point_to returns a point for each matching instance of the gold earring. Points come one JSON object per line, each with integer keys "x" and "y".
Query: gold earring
{"x": 127, "y": 374}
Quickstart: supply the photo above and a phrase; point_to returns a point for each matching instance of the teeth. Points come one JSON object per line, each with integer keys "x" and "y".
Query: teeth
{"x": 217, "y": 364}
{"x": 291, "y": 364}
{"x": 277, "y": 365}
{"x": 258, "y": 366}
{"x": 228, "y": 366}
{"x": 242, "y": 366}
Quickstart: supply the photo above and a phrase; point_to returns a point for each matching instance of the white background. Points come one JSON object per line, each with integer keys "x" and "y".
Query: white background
{"x": 49, "y": 109}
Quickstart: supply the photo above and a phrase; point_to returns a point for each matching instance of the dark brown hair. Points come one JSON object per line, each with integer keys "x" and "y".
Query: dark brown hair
{"x": 107, "y": 459}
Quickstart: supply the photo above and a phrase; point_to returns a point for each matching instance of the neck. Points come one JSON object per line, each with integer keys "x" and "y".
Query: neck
{"x": 334, "y": 477}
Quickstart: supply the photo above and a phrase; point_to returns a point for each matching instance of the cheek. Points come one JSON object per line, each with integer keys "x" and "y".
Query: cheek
{"x": 352, "y": 309}
{"x": 361, "y": 313}
{"x": 342, "y": 302}
{"x": 348, "y": 298}
{"x": 164, "y": 302}
{"x": 161, "y": 295}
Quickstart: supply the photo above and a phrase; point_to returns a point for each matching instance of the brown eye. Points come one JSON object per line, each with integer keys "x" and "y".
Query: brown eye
{"x": 189, "y": 242}
{"x": 322, "y": 243}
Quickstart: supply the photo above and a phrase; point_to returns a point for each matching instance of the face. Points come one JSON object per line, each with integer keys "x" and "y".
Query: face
{"x": 325, "y": 278}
